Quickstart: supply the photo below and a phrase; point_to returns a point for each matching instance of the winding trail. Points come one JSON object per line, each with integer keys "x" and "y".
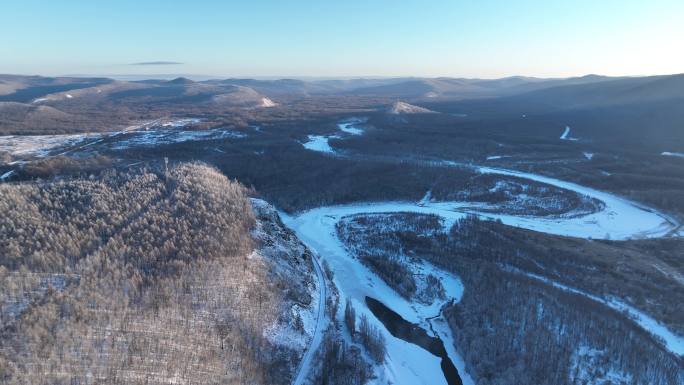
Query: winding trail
{"x": 620, "y": 219}
{"x": 305, "y": 365}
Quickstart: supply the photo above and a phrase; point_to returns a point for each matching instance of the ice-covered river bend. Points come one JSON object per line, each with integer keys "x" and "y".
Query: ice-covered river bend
{"x": 407, "y": 363}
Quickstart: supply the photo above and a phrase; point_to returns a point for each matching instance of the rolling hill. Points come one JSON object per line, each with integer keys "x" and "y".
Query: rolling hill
{"x": 180, "y": 277}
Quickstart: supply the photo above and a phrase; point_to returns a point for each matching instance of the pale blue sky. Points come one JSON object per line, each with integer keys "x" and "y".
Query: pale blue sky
{"x": 484, "y": 38}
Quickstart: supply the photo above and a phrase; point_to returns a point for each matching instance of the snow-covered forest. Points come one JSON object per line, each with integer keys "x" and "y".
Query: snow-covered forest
{"x": 148, "y": 276}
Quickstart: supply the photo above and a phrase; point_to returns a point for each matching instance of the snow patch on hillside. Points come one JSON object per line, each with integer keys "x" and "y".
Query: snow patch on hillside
{"x": 675, "y": 154}
{"x": 267, "y": 103}
{"x": 588, "y": 367}
{"x": 406, "y": 108}
{"x": 495, "y": 157}
{"x": 158, "y": 137}
{"x": 147, "y": 134}
{"x": 40, "y": 145}
{"x": 286, "y": 334}
{"x": 180, "y": 123}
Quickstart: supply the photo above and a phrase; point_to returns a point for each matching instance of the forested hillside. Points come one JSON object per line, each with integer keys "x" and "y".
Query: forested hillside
{"x": 146, "y": 277}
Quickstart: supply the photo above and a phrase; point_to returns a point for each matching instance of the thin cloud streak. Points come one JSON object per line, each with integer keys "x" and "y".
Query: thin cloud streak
{"x": 156, "y": 63}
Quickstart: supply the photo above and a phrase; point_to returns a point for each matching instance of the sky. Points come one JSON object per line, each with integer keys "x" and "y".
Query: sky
{"x": 344, "y": 38}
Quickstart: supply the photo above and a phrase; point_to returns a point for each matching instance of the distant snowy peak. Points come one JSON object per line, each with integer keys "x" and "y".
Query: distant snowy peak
{"x": 266, "y": 102}
{"x": 406, "y": 108}
{"x": 240, "y": 96}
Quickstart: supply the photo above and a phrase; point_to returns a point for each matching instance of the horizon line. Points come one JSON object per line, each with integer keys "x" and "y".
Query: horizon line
{"x": 204, "y": 77}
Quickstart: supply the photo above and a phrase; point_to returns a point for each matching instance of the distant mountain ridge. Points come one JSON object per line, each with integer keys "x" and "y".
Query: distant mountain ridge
{"x": 608, "y": 92}
{"x": 92, "y": 103}
{"x": 38, "y": 90}
{"x": 23, "y": 89}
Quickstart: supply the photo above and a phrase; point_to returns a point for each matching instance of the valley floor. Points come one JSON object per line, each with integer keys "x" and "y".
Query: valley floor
{"x": 407, "y": 364}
